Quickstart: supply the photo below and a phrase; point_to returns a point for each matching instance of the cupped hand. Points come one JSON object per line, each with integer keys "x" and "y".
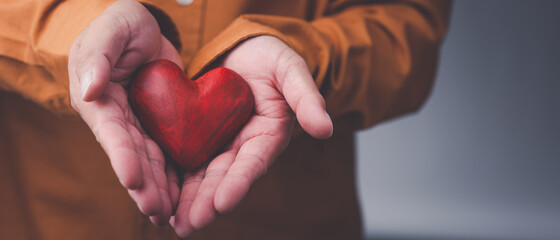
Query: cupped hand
{"x": 282, "y": 85}
{"x": 100, "y": 63}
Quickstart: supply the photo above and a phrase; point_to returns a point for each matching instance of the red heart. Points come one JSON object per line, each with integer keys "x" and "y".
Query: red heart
{"x": 190, "y": 120}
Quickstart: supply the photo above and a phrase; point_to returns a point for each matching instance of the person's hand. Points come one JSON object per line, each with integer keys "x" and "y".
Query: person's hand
{"x": 281, "y": 83}
{"x": 100, "y": 62}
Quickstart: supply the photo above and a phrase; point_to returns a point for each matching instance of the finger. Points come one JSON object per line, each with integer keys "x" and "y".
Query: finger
{"x": 173, "y": 184}
{"x": 251, "y": 162}
{"x": 150, "y": 197}
{"x": 202, "y": 210}
{"x": 301, "y": 93}
{"x": 191, "y": 184}
{"x": 157, "y": 163}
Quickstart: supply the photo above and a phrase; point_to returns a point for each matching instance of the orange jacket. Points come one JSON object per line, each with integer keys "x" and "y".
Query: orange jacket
{"x": 372, "y": 60}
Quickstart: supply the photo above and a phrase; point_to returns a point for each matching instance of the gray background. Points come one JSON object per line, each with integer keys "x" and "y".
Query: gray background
{"x": 481, "y": 160}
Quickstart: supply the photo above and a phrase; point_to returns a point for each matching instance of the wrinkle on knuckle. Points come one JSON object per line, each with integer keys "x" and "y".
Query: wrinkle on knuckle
{"x": 213, "y": 173}
{"x": 246, "y": 180}
{"x": 84, "y": 55}
{"x": 288, "y": 59}
{"x": 260, "y": 167}
{"x": 291, "y": 70}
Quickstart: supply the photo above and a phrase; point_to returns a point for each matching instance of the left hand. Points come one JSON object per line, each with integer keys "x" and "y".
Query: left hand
{"x": 100, "y": 63}
{"x": 281, "y": 85}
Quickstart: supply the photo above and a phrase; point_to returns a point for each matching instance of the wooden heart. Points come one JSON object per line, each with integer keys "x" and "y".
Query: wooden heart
{"x": 190, "y": 120}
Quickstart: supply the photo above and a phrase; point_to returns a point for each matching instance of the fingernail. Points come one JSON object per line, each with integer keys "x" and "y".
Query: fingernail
{"x": 330, "y": 121}
{"x": 85, "y": 82}
{"x": 328, "y": 116}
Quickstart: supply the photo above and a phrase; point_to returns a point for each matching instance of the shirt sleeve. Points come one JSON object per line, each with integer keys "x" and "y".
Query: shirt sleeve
{"x": 372, "y": 60}
{"x": 35, "y": 38}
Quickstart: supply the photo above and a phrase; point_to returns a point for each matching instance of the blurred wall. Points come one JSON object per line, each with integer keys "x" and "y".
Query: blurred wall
{"x": 481, "y": 160}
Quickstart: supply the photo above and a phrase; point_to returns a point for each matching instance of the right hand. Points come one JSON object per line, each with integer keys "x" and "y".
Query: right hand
{"x": 100, "y": 62}
{"x": 284, "y": 90}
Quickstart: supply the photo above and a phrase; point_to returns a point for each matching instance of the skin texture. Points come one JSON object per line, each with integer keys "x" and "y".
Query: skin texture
{"x": 190, "y": 120}
{"x": 124, "y": 38}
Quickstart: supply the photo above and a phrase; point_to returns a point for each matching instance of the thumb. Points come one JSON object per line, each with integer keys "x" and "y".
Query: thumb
{"x": 102, "y": 49}
{"x": 295, "y": 83}
{"x": 99, "y": 48}
{"x": 301, "y": 93}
